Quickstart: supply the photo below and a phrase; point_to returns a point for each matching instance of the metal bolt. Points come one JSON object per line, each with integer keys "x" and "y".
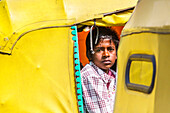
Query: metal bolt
{"x": 6, "y": 39}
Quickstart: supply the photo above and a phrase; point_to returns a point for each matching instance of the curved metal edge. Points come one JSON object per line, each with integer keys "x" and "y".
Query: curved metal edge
{"x": 138, "y": 32}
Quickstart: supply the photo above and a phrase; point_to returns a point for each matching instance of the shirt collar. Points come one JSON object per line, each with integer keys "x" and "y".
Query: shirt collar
{"x": 101, "y": 73}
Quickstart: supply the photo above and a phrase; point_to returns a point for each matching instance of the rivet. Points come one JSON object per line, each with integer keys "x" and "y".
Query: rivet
{"x": 6, "y": 39}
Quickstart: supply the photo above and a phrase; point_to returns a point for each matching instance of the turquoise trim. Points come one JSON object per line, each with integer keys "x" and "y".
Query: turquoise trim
{"x": 77, "y": 69}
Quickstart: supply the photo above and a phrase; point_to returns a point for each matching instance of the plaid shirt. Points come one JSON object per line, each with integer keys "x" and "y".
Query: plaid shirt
{"x": 98, "y": 89}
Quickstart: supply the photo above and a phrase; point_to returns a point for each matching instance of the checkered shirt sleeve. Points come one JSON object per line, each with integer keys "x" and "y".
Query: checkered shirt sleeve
{"x": 97, "y": 97}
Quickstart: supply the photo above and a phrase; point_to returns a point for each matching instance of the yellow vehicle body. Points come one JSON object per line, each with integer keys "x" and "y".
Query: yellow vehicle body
{"x": 37, "y": 73}
{"x": 143, "y": 60}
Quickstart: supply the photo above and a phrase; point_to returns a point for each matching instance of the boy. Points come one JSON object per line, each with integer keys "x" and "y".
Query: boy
{"x": 98, "y": 80}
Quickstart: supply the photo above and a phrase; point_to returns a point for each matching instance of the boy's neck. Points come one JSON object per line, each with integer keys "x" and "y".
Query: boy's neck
{"x": 106, "y": 71}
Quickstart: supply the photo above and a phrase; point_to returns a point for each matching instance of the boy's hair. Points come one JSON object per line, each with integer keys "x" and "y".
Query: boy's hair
{"x": 103, "y": 33}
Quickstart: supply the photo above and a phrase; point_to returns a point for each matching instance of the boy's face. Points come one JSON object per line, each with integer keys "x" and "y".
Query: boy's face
{"x": 105, "y": 54}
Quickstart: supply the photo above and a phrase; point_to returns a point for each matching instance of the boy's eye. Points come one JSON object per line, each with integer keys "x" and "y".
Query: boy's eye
{"x": 110, "y": 49}
{"x": 98, "y": 50}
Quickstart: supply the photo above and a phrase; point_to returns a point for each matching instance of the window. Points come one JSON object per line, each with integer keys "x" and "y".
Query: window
{"x": 140, "y": 73}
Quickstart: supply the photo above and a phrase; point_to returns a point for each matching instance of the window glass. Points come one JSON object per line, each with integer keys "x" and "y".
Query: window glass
{"x": 141, "y": 72}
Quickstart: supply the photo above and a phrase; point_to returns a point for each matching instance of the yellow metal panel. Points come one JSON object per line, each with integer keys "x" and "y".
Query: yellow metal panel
{"x": 162, "y": 98}
{"x": 5, "y": 24}
{"x": 20, "y": 16}
{"x": 149, "y": 15}
{"x": 39, "y": 75}
{"x": 25, "y": 12}
{"x": 129, "y": 101}
{"x": 147, "y": 32}
{"x": 90, "y": 9}
{"x": 118, "y": 19}
{"x": 16, "y": 14}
